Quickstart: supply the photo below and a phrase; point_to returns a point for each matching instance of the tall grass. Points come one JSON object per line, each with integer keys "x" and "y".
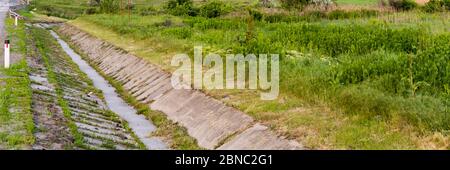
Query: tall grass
{"x": 375, "y": 69}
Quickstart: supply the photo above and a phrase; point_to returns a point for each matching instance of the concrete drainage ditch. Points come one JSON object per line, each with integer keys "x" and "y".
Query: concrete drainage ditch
{"x": 213, "y": 124}
{"x": 138, "y": 123}
{"x": 95, "y": 120}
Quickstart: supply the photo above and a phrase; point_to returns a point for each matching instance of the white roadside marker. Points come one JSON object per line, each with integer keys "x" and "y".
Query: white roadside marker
{"x": 7, "y": 46}
{"x": 15, "y": 21}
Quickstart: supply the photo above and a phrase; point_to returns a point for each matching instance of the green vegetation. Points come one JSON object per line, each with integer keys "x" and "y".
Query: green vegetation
{"x": 16, "y": 119}
{"x": 437, "y": 6}
{"x": 403, "y": 5}
{"x": 351, "y": 79}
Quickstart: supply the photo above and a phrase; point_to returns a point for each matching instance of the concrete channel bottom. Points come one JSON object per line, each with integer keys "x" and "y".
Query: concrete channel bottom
{"x": 213, "y": 124}
{"x": 141, "y": 127}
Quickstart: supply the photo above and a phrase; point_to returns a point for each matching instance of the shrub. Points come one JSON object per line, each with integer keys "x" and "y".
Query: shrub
{"x": 181, "y": 7}
{"x": 184, "y": 10}
{"x": 213, "y": 9}
{"x": 109, "y": 6}
{"x": 437, "y": 6}
{"x": 256, "y": 15}
{"x": 90, "y": 11}
{"x": 403, "y": 5}
{"x": 147, "y": 11}
{"x": 172, "y": 4}
{"x": 94, "y": 2}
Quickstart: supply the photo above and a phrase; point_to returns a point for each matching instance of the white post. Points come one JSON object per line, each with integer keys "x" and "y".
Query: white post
{"x": 15, "y": 21}
{"x": 7, "y": 46}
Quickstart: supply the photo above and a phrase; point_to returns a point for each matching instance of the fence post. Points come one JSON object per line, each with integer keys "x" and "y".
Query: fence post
{"x": 7, "y": 58}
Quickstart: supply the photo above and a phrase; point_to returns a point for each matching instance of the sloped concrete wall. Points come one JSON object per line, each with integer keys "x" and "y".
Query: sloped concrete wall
{"x": 206, "y": 119}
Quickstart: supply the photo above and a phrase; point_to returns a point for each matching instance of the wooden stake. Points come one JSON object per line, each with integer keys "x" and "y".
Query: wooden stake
{"x": 7, "y": 58}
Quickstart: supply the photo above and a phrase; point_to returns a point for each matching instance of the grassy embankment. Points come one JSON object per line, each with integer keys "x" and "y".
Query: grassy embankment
{"x": 373, "y": 82}
{"x": 366, "y": 79}
{"x": 16, "y": 119}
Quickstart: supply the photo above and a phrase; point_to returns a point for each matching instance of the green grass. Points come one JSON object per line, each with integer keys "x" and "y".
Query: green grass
{"x": 16, "y": 118}
{"x": 359, "y": 70}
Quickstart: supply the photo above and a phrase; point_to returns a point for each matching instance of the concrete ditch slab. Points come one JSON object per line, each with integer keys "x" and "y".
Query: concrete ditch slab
{"x": 208, "y": 120}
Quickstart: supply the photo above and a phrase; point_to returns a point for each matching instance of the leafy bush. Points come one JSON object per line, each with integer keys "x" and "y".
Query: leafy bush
{"x": 437, "y": 5}
{"x": 109, "y": 6}
{"x": 256, "y": 15}
{"x": 403, "y": 5}
{"x": 172, "y": 4}
{"x": 147, "y": 11}
{"x": 213, "y": 9}
{"x": 90, "y": 11}
{"x": 181, "y": 7}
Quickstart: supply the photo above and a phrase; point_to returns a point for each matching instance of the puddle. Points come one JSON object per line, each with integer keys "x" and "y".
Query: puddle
{"x": 138, "y": 123}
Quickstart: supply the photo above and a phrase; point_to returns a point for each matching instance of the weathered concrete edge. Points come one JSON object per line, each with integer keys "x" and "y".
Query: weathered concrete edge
{"x": 207, "y": 119}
